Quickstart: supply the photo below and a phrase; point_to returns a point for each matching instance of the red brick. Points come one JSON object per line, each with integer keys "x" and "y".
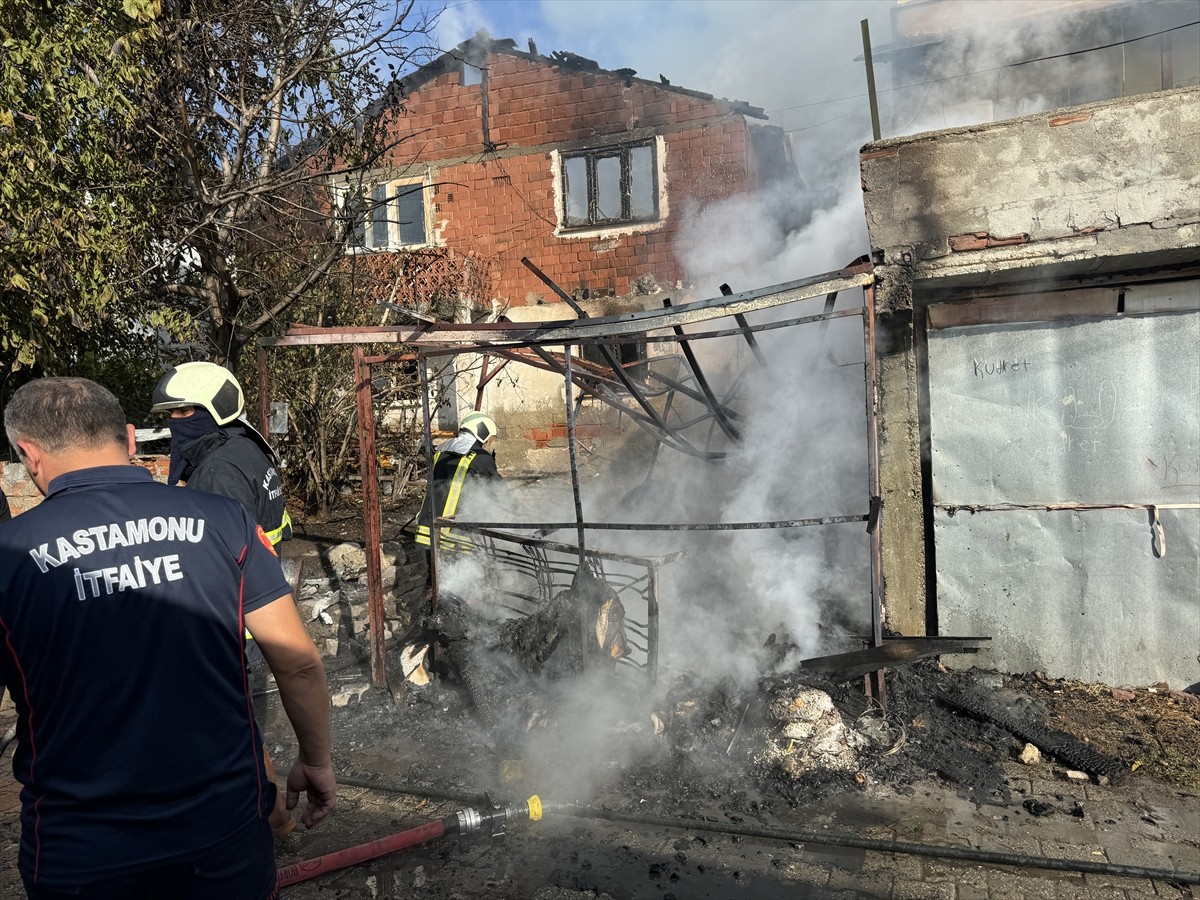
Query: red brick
{"x": 976, "y": 241}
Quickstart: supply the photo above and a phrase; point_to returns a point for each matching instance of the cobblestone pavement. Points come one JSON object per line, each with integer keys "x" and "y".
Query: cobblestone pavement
{"x": 1136, "y": 823}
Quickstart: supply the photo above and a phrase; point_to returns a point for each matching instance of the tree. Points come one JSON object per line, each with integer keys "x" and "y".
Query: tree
{"x": 78, "y": 191}
{"x": 320, "y": 450}
{"x": 263, "y": 106}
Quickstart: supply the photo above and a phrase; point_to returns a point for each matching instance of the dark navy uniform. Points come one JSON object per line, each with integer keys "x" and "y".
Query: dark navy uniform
{"x": 121, "y": 621}
{"x": 231, "y": 462}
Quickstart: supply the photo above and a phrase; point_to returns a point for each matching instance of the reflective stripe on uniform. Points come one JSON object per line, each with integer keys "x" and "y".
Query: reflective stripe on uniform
{"x": 277, "y": 535}
{"x": 451, "y": 505}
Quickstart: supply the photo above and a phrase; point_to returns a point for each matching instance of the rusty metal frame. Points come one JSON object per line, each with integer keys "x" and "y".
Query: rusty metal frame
{"x": 505, "y": 339}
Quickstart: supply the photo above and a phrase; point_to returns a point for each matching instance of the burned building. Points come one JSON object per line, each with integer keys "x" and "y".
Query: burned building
{"x": 1038, "y": 308}
{"x": 507, "y": 154}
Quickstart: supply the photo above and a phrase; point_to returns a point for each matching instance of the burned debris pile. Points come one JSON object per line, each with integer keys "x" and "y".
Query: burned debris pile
{"x": 794, "y": 734}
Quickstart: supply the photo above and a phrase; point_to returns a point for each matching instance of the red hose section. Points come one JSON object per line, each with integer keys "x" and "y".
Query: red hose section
{"x": 340, "y": 859}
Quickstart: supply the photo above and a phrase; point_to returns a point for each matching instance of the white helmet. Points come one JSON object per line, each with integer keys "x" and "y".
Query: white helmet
{"x": 479, "y": 424}
{"x": 202, "y": 384}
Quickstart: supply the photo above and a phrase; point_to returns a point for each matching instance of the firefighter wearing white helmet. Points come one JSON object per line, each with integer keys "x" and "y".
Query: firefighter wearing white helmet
{"x": 214, "y": 447}
{"x": 471, "y": 454}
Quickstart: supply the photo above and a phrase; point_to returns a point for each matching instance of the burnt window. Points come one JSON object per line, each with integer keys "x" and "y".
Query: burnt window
{"x": 610, "y": 185}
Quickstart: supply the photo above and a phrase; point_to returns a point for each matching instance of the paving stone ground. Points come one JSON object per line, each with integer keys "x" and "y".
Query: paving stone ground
{"x": 1136, "y": 823}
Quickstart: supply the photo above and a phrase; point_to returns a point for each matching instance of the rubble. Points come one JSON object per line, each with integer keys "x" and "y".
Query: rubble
{"x": 812, "y": 734}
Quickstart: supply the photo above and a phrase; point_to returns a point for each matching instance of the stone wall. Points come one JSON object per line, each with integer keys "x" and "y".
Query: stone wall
{"x": 332, "y": 600}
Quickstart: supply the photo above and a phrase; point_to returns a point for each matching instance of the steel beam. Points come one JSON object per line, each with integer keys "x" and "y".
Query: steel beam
{"x": 600, "y": 328}
{"x": 371, "y": 516}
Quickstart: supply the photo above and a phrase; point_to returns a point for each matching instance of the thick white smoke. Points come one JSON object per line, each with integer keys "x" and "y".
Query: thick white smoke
{"x": 803, "y": 417}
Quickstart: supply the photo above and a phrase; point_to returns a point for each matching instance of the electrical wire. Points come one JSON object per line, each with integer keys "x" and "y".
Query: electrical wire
{"x": 1024, "y": 62}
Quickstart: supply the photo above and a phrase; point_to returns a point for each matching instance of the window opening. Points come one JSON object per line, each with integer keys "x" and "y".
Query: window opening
{"x": 610, "y": 185}
{"x": 410, "y": 213}
{"x": 390, "y": 216}
{"x": 632, "y": 356}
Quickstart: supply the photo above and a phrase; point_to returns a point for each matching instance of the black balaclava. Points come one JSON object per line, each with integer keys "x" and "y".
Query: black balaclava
{"x": 184, "y": 432}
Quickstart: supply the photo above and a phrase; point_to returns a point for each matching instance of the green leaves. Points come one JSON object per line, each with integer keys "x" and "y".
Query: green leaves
{"x": 75, "y": 202}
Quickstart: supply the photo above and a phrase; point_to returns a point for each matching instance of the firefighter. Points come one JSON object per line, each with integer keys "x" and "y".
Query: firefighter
{"x": 469, "y": 455}
{"x": 215, "y": 448}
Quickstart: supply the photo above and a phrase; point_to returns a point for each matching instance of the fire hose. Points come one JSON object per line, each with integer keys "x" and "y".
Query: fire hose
{"x": 465, "y": 821}
{"x": 964, "y": 854}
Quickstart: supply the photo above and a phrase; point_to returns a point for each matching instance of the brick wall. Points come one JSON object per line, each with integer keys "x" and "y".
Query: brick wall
{"x": 503, "y": 205}
{"x": 22, "y": 494}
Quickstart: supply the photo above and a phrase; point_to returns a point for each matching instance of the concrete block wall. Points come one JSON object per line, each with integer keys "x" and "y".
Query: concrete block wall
{"x": 23, "y": 494}
{"x": 503, "y": 205}
{"x": 1083, "y": 189}
{"x": 1034, "y": 202}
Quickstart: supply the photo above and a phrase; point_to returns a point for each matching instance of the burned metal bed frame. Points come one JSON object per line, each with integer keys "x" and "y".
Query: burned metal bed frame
{"x": 530, "y": 343}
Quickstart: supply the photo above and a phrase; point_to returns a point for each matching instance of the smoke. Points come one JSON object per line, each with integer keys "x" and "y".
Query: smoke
{"x": 803, "y": 452}
{"x": 802, "y": 418}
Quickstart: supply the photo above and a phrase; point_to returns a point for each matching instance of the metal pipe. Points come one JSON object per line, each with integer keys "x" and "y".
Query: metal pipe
{"x": 571, "y": 451}
{"x": 522, "y": 338}
{"x": 652, "y": 624}
{"x": 483, "y": 380}
{"x": 676, "y": 385}
{"x": 612, "y": 329}
{"x": 711, "y": 399}
{"x": 653, "y": 456}
{"x": 613, "y": 363}
{"x": 727, "y": 291}
{"x": 423, "y": 367}
{"x": 669, "y": 526}
{"x": 371, "y": 515}
{"x": 652, "y": 425}
{"x": 874, "y": 98}
{"x": 876, "y": 685}
{"x": 1070, "y": 505}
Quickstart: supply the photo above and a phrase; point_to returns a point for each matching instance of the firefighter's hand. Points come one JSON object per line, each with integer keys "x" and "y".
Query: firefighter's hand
{"x": 320, "y": 788}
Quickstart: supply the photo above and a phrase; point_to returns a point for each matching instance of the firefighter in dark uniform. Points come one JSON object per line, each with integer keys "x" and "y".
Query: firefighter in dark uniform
{"x": 122, "y": 609}
{"x": 214, "y": 448}
{"x": 469, "y": 455}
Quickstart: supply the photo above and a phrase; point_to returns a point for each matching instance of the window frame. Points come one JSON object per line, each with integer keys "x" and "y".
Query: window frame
{"x": 595, "y": 220}
{"x": 369, "y": 220}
